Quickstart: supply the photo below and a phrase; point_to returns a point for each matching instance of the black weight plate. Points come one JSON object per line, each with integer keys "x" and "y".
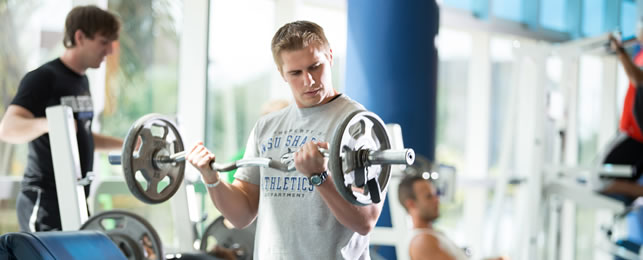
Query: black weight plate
{"x": 131, "y": 233}
{"x": 158, "y": 136}
{"x": 225, "y": 235}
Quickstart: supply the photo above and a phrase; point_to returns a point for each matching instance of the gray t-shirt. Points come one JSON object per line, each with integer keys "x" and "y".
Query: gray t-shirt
{"x": 293, "y": 222}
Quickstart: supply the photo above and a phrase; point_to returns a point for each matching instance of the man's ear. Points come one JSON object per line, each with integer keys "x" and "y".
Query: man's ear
{"x": 409, "y": 204}
{"x": 330, "y": 56}
{"x": 79, "y": 37}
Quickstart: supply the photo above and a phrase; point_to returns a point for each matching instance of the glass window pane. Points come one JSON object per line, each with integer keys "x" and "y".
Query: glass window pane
{"x": 241, "y": 72}
{"x": 454, "y": 54}
{"x": 508, "y": 9}
{"x": 142, "y": 73}
{"x": 593, "y": 16}
{"x": 552, "y": 14}
{"x": 628, "y": 19}
{"x": 502, "y": 68}
{"x": 590, "y": 78}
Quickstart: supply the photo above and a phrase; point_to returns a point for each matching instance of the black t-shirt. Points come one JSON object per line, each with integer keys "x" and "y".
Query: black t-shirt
{"x": 53, "y": 84}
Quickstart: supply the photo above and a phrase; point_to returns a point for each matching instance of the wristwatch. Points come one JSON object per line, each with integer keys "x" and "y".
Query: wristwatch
{"x": 318, "y": 179}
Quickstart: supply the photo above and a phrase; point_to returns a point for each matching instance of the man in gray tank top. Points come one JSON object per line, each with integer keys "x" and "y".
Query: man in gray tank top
{"x": 420, "y": 199}
{"x": 295, "y": 218}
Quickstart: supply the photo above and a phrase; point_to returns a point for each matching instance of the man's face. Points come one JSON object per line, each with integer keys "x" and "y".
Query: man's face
{"x": 94, "y": 50}
{"x": 426, "y": 201}
{"x": 308, "y": 73}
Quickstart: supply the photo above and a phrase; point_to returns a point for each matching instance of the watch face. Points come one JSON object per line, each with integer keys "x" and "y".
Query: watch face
{"x": 315, "y": 179}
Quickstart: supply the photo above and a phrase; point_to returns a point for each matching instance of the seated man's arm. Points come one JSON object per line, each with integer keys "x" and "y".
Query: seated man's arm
{"x": 19, "y": 125}
{"x": 426, "y": 246}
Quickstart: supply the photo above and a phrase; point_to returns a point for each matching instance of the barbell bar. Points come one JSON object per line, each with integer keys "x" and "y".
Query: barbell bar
{"x": 404, "y": 156}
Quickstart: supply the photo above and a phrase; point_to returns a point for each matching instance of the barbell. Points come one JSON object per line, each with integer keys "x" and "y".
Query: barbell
{"x": 359, "y": 158}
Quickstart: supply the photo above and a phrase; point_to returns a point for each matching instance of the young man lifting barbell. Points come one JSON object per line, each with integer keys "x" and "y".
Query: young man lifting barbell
{"x": 292, "y": 222}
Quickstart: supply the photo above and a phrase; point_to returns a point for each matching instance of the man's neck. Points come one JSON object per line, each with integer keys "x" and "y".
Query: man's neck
{"x": 332, "y": 96}
{"x": 419, "y": 223}
{"x": 71, "y": 60}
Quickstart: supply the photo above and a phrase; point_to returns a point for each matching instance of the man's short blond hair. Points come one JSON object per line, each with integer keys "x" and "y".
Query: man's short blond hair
{"x": 296, "y": 36}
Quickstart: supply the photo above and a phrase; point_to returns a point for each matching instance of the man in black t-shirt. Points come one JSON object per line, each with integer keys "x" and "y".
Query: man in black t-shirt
{"x": 89, "y": 34}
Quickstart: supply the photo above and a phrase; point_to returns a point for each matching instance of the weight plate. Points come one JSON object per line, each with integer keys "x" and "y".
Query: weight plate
{"x": 222, "y": 233}
{"x": 157, "y": 136}
{"x": 132, "y": 234}
{"x": 358, "y": 131}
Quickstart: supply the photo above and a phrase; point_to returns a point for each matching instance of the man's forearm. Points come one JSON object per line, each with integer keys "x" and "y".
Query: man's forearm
{"x": 107, "y": 143}
{"x": 18, "y": 130}
{"x": 360, "y": 219}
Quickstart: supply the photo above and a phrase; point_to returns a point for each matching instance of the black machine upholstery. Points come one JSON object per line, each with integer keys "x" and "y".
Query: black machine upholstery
{"x": 68, "y": 245}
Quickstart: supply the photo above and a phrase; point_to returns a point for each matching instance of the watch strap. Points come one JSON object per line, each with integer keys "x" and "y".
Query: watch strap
{"x": 322, "y": 176}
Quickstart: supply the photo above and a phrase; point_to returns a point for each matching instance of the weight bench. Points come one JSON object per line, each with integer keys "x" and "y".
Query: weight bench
{"x": 67, "y": 245}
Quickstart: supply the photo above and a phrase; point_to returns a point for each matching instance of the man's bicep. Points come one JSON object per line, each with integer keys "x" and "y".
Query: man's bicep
{"x": 14, "y": 114}
{"x": 425, "y": 246}
{"x": 18, "y": 111}
{"x": 374, "y": 210}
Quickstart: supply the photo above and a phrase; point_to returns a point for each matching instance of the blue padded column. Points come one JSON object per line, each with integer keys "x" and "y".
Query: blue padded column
{"x": 391, "y": 65}
{"x": 391, "y": 68}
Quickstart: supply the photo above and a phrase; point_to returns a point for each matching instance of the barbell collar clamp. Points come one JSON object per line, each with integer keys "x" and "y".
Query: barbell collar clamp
{"x": 404, "y": 156}
{"x": 114, "y": 158}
